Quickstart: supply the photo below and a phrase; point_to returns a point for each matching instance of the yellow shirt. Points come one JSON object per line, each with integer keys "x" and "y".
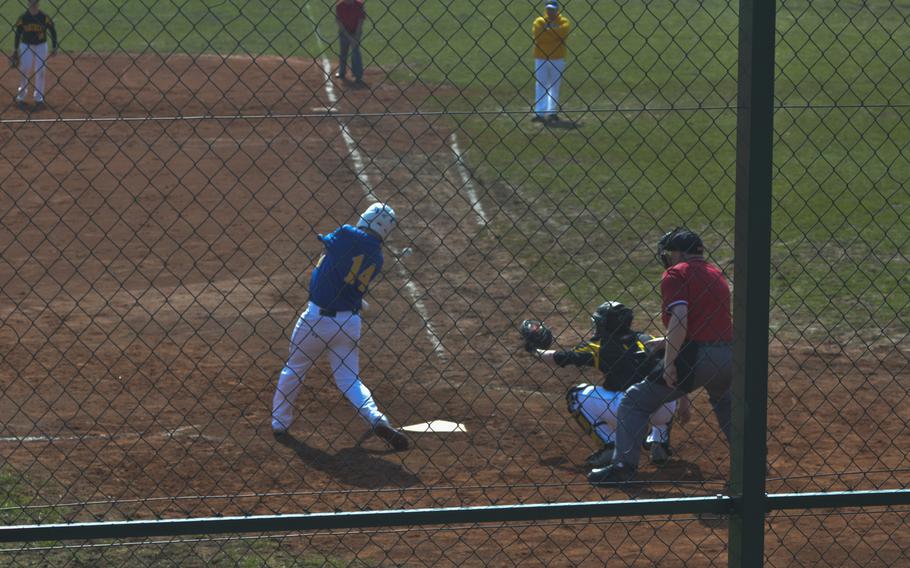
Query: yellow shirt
{"x": 550, "y": 43}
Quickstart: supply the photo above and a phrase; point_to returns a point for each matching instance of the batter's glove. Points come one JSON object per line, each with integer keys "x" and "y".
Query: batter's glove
{"x": 536, "y": 335}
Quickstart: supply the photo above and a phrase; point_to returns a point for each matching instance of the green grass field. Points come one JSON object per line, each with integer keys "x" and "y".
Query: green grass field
{"x": 19, "y": 505}
{"x": 653, "y": 85}
{"x": 16, "y": 495}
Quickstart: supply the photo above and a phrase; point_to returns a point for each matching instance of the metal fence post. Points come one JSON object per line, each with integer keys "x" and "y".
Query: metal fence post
{"x": 752, "y": 268}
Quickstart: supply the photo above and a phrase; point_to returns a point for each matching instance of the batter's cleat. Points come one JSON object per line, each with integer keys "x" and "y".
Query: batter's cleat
{"x": 553, "y": 118}
{"x": 601, "y": 458}
{"x": 21, "y": 105}
{"x": 660, "y": 453}
{"x": 392, "y": 437}
{"x": 537, "y": 118}
{"x": 611, "y": 475}
{"x": 281, "y": 435}
{"x": 39, "y": 105}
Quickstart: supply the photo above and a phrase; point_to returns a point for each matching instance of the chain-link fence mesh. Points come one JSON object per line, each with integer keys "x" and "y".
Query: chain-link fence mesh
{"x": 160, "y": 212}
{"x": 634, "y": 542}
{"x": 840, "y": 249}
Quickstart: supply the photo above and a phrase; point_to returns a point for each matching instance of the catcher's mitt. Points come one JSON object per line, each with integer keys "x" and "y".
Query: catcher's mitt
{"x": 536, "y": 335}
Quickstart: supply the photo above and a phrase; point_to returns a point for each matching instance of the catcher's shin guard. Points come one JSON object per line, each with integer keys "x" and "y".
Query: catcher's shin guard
{"x": 575, "y": 410}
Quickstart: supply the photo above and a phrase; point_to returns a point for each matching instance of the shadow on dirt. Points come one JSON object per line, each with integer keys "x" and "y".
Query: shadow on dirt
{"x": 352, "y": 466}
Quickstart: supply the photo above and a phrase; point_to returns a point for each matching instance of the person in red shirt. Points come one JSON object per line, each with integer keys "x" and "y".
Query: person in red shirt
{"x": 350, "y": 15}
{"x": 698, "y": 351}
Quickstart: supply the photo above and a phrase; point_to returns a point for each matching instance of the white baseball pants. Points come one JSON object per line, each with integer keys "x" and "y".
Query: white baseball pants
{"x": 32, "y": 64}
{"x": 600, "y": 407}
{"x": 547, "y": 78}
{"x": 313, "y": 335}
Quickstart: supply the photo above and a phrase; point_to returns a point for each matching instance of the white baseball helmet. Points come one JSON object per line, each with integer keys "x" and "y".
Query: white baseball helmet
{"x": 378, "y": 217}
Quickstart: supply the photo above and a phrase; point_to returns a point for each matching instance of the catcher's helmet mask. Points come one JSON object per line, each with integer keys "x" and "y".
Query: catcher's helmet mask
{"x": 679, "y": 239}
{"x": 611, "y": 319}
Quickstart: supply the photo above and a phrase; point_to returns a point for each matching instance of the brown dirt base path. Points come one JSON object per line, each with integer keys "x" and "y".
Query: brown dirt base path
{"x": 152, "y": 271}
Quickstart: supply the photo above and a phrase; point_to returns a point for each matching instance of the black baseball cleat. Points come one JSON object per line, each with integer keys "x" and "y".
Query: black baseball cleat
{"x": 392, "y": 437}
{"x": 537, "y": 118}
{"x": 611, "y": 475}
{"x": 281, "y": 435}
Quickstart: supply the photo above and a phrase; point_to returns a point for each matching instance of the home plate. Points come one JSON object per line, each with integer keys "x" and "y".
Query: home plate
{"x": 436, "y": 426}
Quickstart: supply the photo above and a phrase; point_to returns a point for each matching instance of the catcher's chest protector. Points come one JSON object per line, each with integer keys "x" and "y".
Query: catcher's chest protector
{"x": 623, "y": 362}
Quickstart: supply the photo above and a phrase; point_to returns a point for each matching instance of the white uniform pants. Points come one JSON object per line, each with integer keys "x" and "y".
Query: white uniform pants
{"x": 313, "y": 335}
{"x": 600, "y": 407}
{"x": 32, "y": 64}
{"x": 547, "y": 77}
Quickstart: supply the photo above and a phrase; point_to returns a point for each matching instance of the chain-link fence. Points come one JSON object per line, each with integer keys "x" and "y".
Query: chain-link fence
{"x": 162, "y": 193}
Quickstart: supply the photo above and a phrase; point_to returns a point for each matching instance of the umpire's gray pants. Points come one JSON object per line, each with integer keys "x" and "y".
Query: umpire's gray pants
{"x": 713, "y": 370}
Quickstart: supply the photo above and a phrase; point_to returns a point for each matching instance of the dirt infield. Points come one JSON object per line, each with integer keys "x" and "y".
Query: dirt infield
{"x": 153, "y": 270}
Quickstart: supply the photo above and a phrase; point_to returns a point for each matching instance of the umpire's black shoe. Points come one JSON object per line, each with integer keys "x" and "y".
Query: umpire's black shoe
{"x": 392, "y": 437}
{"x": 660, "y": 454}
{"x": 612, "y": 474}
{"x": 602, "y": 457}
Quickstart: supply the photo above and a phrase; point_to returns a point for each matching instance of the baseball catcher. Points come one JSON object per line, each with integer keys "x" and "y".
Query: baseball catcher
{"x": 625, "y": 358}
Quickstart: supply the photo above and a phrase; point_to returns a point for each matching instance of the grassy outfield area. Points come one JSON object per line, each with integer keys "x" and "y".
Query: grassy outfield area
{"x": 653, "y": 87}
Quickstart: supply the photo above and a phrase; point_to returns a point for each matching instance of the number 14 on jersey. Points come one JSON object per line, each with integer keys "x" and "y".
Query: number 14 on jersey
{"x": 363, "y": 277}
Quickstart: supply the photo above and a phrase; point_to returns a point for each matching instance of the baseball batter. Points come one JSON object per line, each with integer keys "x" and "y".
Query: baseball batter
{"x": 620, "y": 354}
{"x": 331, "y": 322}
{"x": 30, "y": 51}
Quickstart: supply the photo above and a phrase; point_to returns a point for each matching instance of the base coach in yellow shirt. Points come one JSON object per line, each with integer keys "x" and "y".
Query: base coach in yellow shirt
{"x": 549, "y": 32}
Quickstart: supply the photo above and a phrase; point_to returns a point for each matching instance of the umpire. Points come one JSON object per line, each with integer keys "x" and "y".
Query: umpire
{"x": 698, "y": 350}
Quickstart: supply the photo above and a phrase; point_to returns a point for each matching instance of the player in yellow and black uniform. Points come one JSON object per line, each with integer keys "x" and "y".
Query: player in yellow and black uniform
{"x": 30, "y": 51}
{"x": 621, "y": 355}
{"x": 550, "y": 33}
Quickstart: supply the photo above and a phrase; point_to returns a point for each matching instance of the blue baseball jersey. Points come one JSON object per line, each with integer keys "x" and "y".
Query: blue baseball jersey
{"x": 352, "y": 259}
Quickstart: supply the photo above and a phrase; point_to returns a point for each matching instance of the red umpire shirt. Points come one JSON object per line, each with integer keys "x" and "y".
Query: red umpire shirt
{"x": 704, "y": 289}
{"x": 350, "y": 14}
